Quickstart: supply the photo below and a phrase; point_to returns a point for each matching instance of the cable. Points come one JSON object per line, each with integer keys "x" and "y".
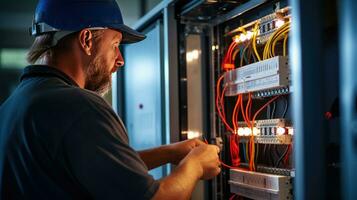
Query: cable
{"x": 243, "y": 113}
{"x": 282, "y": 156}
{"x": 251, "y": 140}
{"x": 257, "y": 154}
{"x": 273, "y": 110}
{"x": 286, "y": 107}
{"x": 243, "y": 52}
{"x": 221, "y": 115}
{"x": 232, "y": 197}
{"x": 254, "y": 41}
{"x": 234, "y": 150}
{"x": 264, "y": 154}
{"x": 235, "y": 114}
{"x": 222, "y": 163}
{"x": 280, "y": 34}
{"x": 271, "y": 157}
{"x": 269, "y": 48}
{"x": 286, "y": 159}
{"x": 244, "y": 153}
{"x": 284, "y": 44}
{"x": 268, "y": 112}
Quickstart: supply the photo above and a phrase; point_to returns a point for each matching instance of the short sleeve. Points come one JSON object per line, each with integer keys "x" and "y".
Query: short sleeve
{"x": 99, "y": 157}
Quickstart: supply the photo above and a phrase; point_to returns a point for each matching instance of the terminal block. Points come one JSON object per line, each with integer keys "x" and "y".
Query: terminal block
{"x": 267, "y": 74}
{"x": 256, "y": 185}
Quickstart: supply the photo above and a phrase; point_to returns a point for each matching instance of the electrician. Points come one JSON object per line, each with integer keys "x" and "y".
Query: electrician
{"x": 59, "y": 139}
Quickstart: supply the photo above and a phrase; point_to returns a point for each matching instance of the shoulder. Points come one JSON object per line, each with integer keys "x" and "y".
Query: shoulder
{"x": 67, "y": 99}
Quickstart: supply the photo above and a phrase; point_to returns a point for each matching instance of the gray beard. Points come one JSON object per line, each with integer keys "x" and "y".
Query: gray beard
{"x": 98, "y": 78}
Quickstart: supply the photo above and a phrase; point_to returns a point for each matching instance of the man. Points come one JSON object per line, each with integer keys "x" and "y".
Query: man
{"x": 60, "y": 140}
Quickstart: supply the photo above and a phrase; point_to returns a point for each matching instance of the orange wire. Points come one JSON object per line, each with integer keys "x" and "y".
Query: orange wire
{"x": 247, "y": 109}
{"x": 251, "y": 140}
{"x": 224, "y": 164}
{"x": 242, "y": 109}
{"x": 265, "y": 105}
{"x": 221, "y": 115}
{"x": 235, "y": 113}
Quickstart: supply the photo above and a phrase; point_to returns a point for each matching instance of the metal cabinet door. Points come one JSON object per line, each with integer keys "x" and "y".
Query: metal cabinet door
{"x": 144, "y": 92}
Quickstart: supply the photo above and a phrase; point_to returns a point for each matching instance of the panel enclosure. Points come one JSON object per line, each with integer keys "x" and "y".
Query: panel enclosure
{"x": 255, "y": 80}
{"x": 144, "y": 96}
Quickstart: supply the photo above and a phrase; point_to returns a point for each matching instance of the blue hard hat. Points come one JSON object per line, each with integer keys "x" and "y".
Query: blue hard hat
{"x": 75, "y": 15}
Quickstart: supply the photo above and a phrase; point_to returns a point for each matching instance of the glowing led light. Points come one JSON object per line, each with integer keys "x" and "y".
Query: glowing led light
{"x": 192, "y": 55}
{"x": 213, "y": 47}
{"x": 249, "y": 35}
{"x": 279, "y": 23}
{"x": 242, "y": 37}
{"x": 290, "y": 131}
{"x": 280, "y": 131}
{"x": 240, "y": 131}
{"x": 256, "y": 131}
{"x": 193, "y": 134}
{"x": 247, "y": 131}
{"x": 236, "y": 39}
{"x": 195, "y": 54}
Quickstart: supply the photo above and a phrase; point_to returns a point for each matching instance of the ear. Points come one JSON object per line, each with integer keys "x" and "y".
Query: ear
{"x": 85, "y": 40}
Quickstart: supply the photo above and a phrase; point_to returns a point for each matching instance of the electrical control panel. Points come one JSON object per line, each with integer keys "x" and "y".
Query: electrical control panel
{"x": 244, "y": 54}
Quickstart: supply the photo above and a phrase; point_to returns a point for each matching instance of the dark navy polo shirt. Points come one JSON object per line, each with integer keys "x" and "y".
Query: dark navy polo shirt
{"x": 58, "y": 141}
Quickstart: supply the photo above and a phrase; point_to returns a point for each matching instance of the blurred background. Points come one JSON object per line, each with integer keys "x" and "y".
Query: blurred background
{"x": 15, "y": 20}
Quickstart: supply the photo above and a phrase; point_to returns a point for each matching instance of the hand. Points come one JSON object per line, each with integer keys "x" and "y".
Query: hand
{"x": 180, "y": 149}
{"x": 206, "y": 158}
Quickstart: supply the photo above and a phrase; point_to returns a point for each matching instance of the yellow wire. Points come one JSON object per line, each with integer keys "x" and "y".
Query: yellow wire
{"x": 284, "y": 44}
{"x": 277, "y": 38}
{"x": 268, "y": 52}
{"x": 244, "y": 50}
{"x": 254, "y": 41}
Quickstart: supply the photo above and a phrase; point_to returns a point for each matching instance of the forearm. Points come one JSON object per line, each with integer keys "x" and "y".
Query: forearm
{"x": 180, "y": 183}
{"x": 157, "y": 156}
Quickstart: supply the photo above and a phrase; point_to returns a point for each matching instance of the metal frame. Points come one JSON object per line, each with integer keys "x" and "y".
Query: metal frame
{"x": 171, "y": 74}
{"x": 165, "y": 11}
{"x": 306, "y": 53}
{"x": 238, "y": 11}
{"x": 348, "y": 94}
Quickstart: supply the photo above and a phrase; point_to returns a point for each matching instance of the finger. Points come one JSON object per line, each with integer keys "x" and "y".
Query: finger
{"x": 218, "y": 171}
{"x": 218, "y": 149}
{"x": 199, "y": 142}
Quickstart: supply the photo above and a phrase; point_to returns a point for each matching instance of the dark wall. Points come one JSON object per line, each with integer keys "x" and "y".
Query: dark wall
{"x": 9, "y": 79}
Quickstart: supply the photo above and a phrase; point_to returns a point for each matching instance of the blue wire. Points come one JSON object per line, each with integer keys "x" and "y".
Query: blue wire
{"x": 245, "y": 159}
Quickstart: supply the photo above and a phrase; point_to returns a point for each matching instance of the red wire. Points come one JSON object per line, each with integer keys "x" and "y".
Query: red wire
{"x": 232, "y": 197}
{"x": 223, "y": 164}
{"x": 234, "y": 150}
{"x": 286, "y": 158}
{"x": 251, "y": 141}
{"x": 221, "y": 113}
{"x": 235, "y": 113}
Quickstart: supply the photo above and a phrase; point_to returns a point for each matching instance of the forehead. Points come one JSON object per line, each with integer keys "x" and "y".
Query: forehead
{"x": 111, "y": 34}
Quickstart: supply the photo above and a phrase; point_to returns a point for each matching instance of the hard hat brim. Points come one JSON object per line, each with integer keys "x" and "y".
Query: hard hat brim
{"x": 129, "y": 35}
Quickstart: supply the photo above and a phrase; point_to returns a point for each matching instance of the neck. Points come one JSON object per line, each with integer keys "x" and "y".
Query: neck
{"x": 68, "y": 65}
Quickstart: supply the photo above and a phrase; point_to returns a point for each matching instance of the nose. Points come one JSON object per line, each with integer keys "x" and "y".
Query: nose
{"x": 119, "y": 61}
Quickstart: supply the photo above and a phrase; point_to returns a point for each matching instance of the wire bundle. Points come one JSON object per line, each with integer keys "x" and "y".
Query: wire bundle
{"x": 280, "y": 33}
{"x": 250, "y": 149}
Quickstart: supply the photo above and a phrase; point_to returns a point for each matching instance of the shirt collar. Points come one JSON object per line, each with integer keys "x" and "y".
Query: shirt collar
{"x": 46, "y": 71}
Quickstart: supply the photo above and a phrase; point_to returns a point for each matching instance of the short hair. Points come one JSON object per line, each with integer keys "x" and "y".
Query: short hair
{"x": 43, "y": 45}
